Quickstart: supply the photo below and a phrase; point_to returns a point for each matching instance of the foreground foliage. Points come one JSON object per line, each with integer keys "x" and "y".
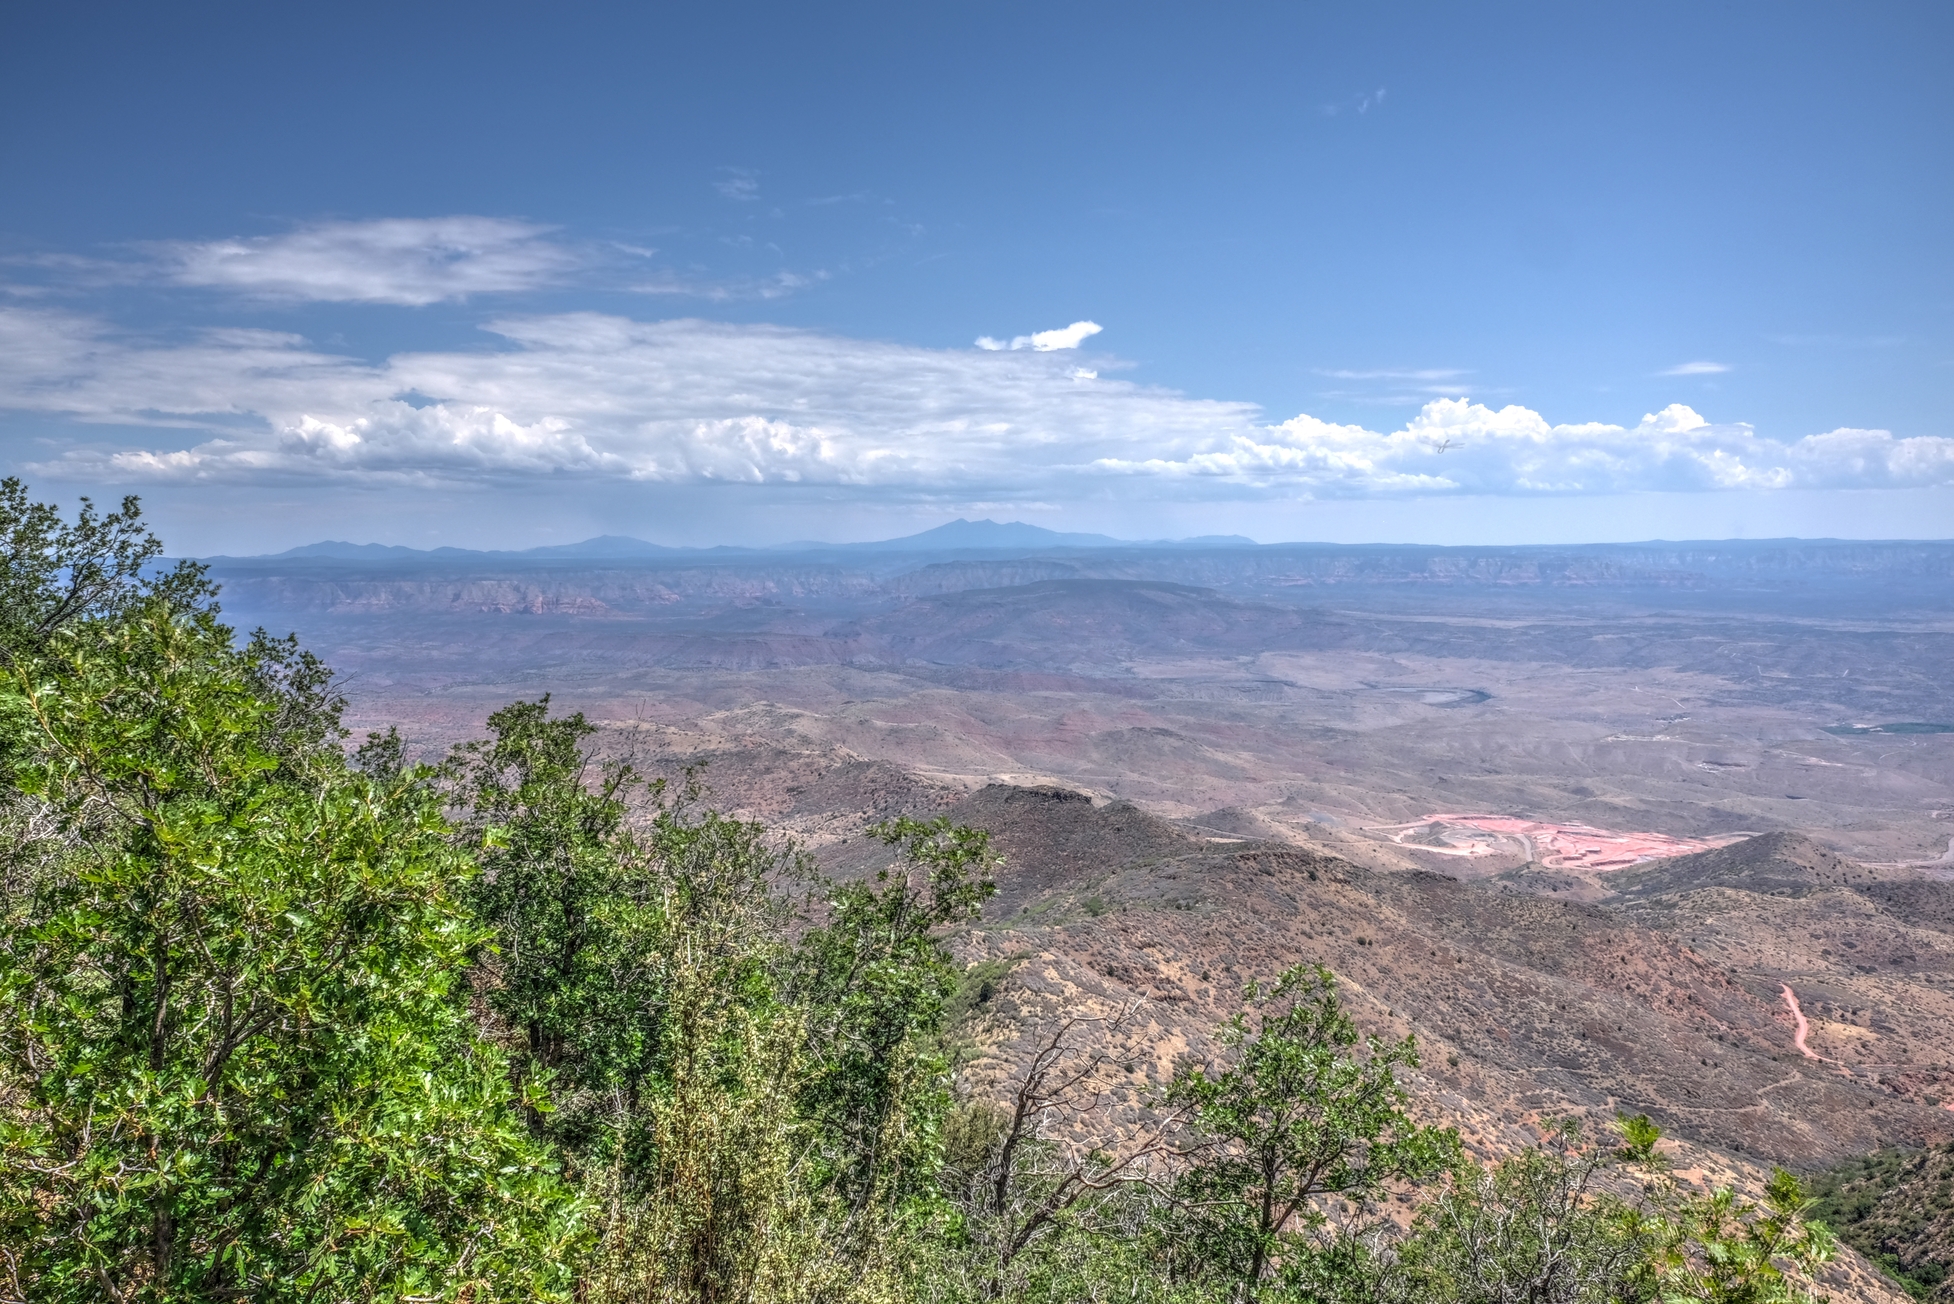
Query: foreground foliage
{"x": 234, "y": 1058}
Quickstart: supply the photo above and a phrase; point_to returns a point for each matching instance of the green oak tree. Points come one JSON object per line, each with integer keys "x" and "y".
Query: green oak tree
{"x": 55, "y": 572}
{"x": 576, "y": 909}
{"x": 235, "y": 1061}
{"x": 873, "y": 980}
{"x": 640, "y": 944}
{"x": 1309, "y": 1109}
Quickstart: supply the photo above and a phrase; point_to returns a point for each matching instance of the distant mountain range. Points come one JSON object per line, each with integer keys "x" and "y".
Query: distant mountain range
{"x": 959, "y": 535}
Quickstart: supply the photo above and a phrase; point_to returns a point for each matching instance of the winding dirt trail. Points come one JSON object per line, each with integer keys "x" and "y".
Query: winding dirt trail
{"x": 1804, "y": 1026}
{"x": 1803, "y": 1030}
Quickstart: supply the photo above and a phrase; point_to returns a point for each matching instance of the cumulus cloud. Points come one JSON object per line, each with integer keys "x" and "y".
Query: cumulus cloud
{"x": 409, "y": 261}
{"x": 1457, "y": 446}
{"x": 686, "y": 401}
{"x": 1696, "y": 369}
{"x": 1066, "y": 337}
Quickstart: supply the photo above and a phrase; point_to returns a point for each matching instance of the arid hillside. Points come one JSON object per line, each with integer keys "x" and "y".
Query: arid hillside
{"x": 1769, "y": 1003}
{"x": 1527, "y": 1006}
{"x": 1674, "y": 988}
{"x": 1458, "y": 778}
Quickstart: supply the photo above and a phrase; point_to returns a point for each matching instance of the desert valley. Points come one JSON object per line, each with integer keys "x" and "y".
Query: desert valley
{"x": 1658, "y": 829}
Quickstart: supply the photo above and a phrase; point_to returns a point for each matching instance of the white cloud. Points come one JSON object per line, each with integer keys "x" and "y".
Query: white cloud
{"x": 1696, "y": 369}
{"x": 1400, "y": 386}
{"x": 1454, "y": 445}
{"x": 1067, "y": 337}
{"x": 1430, "y": 373}
{"x": 1361, "y": 103}
{"x": 742, "y": 184}
{"x": 777, "y": 286}
{"x": 591, "y": 395}
{"x": 410, "y": 261}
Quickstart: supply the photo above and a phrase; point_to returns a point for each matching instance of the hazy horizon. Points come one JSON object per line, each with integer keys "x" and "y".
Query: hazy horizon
{"x": 1107, "y": 541}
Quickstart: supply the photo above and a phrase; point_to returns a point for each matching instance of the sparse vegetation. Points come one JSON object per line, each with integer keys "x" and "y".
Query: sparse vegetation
{"x": 1896, "y": 1207}
{"x": 280, "y": 1023}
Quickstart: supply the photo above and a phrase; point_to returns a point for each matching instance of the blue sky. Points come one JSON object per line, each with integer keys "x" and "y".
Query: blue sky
{"x": 500, "y": 274}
